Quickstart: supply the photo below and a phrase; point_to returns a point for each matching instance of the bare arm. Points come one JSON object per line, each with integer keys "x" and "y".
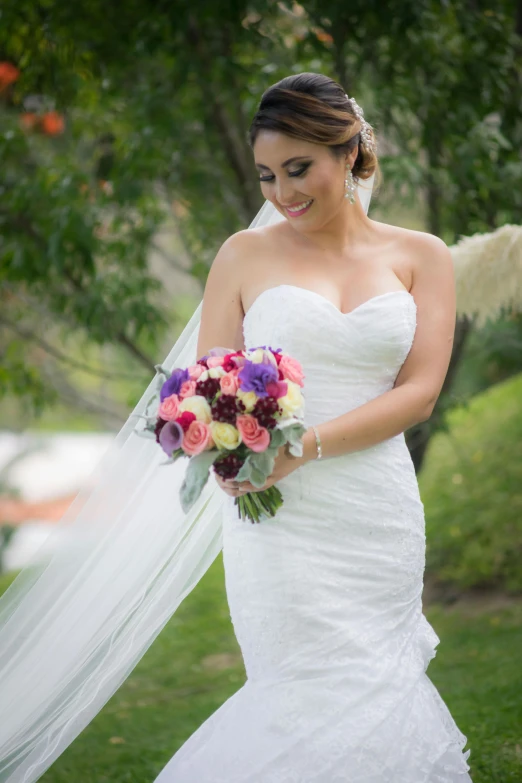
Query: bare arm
{"x": 420, "y": 379}
{"x": 222, "y": 311}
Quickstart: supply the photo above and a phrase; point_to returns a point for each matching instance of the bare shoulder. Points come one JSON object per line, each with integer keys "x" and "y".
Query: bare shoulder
{"x": 225, "y": 272}
{"x": 430, "y": 267}
{"x": 422, "y": 247}
{"x": 243, "y": 242}
{"x": 244, "y": 256}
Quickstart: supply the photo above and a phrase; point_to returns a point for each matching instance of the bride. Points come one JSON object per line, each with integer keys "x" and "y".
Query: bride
{"x": 326, "y": 596}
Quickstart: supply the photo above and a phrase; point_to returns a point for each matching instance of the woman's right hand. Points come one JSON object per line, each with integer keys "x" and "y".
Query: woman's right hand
{"x": 230, "y": 486}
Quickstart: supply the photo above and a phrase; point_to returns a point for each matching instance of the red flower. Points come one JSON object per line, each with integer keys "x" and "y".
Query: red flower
{"x": 8, "y": 74}
{"x": 52, "y": 123}
{"x": 185, "y": 420}
{"x": 228, "y": 364}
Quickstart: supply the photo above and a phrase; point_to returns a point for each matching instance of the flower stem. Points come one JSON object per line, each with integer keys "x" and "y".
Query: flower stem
{"x": 255, "y": 505}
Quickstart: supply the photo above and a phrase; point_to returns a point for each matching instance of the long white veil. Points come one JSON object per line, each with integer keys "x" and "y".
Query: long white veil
{"x": 107, "y": 580}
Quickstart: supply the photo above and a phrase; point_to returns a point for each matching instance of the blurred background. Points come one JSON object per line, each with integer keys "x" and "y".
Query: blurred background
{"x": 124, "y": 166}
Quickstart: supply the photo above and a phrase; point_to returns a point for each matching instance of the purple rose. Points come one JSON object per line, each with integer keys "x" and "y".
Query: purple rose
{"x": 173, "y": 384}
{"x": 171, "y": 437}
{"x": 255, "y": 376}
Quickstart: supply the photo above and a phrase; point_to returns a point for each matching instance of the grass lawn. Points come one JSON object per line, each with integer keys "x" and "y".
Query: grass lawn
{"x": 195, "y": 665}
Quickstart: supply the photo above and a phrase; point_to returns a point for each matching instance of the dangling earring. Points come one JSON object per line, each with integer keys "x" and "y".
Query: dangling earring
{"x": 349, "y": 186}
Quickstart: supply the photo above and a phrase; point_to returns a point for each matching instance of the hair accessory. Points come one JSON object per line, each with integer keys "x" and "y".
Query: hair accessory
{"x": 349, "y": 185}
{"x": 318, "y": 443}
{"x": 366, "y": 137}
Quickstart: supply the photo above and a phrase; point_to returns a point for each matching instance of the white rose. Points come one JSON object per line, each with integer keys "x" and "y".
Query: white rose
{"x": 197, "y": 405}
{"x": 216, "y": 372}
{"x": 292, "y": 404}
{"x": 248, "y": 399}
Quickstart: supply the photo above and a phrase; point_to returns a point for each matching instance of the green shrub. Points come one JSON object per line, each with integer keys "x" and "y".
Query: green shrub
{"x": 471, "y": 486}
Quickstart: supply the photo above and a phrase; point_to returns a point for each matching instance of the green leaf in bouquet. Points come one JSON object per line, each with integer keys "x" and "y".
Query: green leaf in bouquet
{"x": 257, "y": 477}
{"x": 293, "y": 434}
{"x": 264, "y": 461}
{"x": 277, "y": 438}
{"x": 163, "y": 371}
{"x": 245, "y": 471}
{"x": 257, "y": 467}
{"x": 196, "y": 477}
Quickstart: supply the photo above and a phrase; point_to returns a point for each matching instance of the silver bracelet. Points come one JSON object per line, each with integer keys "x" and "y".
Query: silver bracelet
{"x": 318, "y": 443}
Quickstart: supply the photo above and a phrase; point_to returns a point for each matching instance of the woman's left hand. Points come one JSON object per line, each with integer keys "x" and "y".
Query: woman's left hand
{"x": 284, "y": 464}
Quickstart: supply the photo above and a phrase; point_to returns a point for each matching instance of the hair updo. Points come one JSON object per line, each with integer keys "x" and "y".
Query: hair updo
{"x": 313, "y": 107}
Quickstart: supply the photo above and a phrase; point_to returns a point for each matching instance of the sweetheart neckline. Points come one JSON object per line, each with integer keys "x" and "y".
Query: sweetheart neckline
{"x": 328, "y": 301}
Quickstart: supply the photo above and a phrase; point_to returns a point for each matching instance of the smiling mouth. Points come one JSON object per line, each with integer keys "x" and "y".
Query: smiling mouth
{"x": 299, "y": 209}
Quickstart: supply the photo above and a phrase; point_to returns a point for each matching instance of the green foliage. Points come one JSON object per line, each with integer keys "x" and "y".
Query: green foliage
{"x": 72, "y": 256}
{"x": 442, "y": 84}
{"x": 491, "y": 355}
{"x": 471, "y": 488}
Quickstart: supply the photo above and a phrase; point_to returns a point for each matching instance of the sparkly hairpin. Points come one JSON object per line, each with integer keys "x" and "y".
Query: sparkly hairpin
{"x": 366, "y": 137}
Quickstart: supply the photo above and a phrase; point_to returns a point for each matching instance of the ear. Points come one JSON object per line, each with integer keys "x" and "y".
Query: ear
{"x": 351, "y": 157}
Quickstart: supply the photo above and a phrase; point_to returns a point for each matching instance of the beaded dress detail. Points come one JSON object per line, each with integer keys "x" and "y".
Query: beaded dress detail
{"x": 326, "y": 597}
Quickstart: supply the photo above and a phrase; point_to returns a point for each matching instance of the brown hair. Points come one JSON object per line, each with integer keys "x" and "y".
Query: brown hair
{"x": 315, "y": 108}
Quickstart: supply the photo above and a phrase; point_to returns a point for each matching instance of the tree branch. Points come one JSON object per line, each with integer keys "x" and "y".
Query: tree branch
{"x": 21, "y": 222}
{"x": 114, "y": 417}
{"x": 28, "y": 334}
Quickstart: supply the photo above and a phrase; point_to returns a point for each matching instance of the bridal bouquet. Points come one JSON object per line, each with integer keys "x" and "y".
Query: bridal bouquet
{"x": 231, "y": 411}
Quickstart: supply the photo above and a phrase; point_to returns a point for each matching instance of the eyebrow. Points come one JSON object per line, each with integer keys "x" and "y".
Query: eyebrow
{"x": 286, "y": 163}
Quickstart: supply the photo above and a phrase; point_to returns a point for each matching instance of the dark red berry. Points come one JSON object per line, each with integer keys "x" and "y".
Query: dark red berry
{"x": 264, "y": 411}
{"x": 208, "y": 389}
{"x": 228, "y": 466}
{"x": 226, "y": 408}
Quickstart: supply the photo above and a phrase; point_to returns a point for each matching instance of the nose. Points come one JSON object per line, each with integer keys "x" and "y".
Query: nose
{"x": 285, "y": 193}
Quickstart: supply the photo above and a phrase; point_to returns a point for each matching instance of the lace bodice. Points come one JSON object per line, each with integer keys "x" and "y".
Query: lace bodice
{"x": 348, "y": 358}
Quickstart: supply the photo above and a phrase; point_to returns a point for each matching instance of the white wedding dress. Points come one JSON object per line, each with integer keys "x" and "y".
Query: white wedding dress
{"x": 325, "y": 597}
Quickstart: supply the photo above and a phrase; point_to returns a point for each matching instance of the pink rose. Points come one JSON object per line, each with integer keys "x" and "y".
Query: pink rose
{"x": 230, "y": 382}
{"x": 215, "y": 361}
{"x": 252, "y": 433}
{"x": 197, "y": 438}
{"x": 291, "y": 369}
{"x": 187, "y": 389}
{"x": 169, "y": 408}
{"x": 195, "y": 371}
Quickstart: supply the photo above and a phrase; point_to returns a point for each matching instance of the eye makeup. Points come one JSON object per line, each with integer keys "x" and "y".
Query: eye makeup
{"x": 298, "y": 173}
